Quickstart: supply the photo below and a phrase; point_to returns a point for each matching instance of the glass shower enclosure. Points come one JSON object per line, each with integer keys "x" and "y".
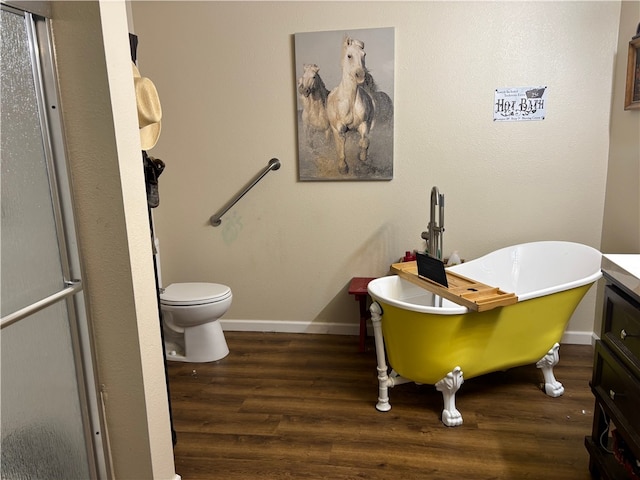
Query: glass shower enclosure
{"x": 50, "y": 421}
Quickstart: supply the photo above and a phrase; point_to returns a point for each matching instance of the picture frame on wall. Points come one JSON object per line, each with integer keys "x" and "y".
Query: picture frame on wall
{"x": 345, "y": 114}
{"x": 632, "y": 92}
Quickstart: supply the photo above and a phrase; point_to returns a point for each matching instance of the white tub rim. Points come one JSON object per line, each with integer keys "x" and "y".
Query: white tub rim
{"x": 376, "y": 286}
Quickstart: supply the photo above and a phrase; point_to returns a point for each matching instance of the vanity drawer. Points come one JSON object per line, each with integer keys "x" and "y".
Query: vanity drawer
{"x": 621, "y": 325}
{"x": 618, "y": 390}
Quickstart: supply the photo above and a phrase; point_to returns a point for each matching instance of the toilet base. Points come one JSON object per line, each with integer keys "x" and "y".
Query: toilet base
{"x": 202, "y": 343}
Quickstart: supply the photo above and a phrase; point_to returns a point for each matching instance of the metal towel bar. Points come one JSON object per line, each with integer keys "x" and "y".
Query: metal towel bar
{"x": 216, "y": 218}
{"x": 72, "y": 287}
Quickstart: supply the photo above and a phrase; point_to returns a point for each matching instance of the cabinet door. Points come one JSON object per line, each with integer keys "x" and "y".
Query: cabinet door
{"x": 617, "y": 390}
{"x": 621, "y": 326}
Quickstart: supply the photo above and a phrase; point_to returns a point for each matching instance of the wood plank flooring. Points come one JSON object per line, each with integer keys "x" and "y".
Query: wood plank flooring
{"x": 301, "y": 406}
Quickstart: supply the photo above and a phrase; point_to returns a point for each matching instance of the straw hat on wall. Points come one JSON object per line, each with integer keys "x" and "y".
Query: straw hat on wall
{"x": 149, "y": 110}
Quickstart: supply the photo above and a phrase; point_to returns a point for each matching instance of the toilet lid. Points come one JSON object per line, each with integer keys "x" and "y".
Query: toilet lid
{"x": 195, "y": 293}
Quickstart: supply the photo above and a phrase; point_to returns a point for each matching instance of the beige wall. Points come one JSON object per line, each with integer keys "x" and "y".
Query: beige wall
{"x": 100, "y": 120}
{"x": 225, "y": 73}
{"x": 621, "y": 232}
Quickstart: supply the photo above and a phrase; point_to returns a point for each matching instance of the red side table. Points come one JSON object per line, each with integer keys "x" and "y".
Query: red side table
{"x": 358, "y": 288}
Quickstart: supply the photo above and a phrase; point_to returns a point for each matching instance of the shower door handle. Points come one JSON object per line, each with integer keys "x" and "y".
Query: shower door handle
{"x": 73, "y": 287}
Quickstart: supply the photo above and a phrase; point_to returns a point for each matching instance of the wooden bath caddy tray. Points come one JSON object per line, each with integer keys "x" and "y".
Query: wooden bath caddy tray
{"x": 464, "y": 291}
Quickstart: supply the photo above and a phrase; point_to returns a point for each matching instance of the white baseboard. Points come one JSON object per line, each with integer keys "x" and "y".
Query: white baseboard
{"x": 290, "y": 326}
{"x": 579, "y": 338}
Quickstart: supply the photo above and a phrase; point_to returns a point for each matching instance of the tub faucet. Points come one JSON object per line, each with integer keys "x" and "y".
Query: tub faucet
{"x": 434, "y": 232}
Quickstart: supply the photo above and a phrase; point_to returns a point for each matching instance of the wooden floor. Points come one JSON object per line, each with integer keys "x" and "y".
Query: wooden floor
{"x": 299, "y": 406}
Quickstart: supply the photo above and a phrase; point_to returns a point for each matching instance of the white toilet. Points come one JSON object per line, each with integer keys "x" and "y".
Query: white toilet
{"x": 190, "y": 313}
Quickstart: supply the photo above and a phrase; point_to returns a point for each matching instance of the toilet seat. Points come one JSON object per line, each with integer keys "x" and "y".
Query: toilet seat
{"x": 194, "y": 293}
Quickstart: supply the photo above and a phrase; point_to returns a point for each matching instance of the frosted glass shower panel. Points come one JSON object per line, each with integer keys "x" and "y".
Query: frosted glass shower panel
{"x": 42, "y": 432}
{"x": 30, "y": 256}
{"x": 42, "y": 414}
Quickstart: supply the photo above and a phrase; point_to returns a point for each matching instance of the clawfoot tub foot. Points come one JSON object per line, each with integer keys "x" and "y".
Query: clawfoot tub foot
{"x": 449, "y": 385}
{"x": 552, "y": 387}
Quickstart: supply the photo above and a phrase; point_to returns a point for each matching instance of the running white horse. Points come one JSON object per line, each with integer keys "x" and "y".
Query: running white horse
{"x": 313, "y": 95}
{"x": 349, "y": 106}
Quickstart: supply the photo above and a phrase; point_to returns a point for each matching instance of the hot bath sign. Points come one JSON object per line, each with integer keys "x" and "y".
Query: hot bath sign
{"x": 516, "y": 104}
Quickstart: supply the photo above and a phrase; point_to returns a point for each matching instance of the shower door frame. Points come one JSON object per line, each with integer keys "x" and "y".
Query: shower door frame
{"x": 44, "y": 74}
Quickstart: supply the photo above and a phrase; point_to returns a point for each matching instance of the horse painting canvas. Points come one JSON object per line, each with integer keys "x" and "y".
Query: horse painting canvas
{"x": 344, "y": 89}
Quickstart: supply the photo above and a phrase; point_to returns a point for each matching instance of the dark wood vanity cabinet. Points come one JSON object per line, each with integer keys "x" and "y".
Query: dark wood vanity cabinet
{"x": 614, "y": 444}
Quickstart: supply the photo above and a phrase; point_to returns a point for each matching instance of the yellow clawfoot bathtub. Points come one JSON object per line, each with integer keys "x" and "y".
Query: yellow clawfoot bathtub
{"x": 442, "y": 345}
